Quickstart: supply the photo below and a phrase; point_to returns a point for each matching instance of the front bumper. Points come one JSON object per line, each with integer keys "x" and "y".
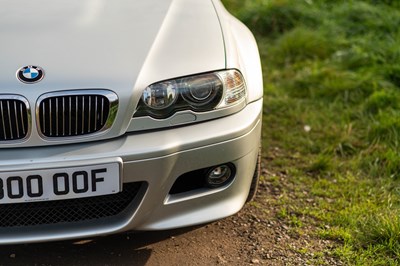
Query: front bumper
{"x": 157, "y": 159}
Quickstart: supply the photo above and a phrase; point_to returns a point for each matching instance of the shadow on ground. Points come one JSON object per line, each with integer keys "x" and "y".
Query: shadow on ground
{"x": 122, "y": 249}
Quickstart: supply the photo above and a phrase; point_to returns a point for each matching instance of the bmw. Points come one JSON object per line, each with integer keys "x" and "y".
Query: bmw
{"x": 124, "y": 115}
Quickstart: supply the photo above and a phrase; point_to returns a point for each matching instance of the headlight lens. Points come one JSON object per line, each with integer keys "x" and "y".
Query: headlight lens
{"x": 199, "y": 93}
{"x": 160, "y": 95}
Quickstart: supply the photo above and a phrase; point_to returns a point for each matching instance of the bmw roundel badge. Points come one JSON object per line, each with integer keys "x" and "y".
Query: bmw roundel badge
{"x": 30, "y": 74}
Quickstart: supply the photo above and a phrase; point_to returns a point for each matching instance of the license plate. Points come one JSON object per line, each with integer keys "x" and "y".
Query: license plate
{"x": 59, "y": 183}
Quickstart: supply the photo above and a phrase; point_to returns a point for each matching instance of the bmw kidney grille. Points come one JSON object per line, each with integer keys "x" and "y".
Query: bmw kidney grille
{"x": 14, "y": 118}
{"x": 60, "y": 114}
{"x": 76, "y": 113}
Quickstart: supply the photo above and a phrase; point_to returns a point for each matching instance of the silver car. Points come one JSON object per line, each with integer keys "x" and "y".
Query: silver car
{"x": 124, "y": 115}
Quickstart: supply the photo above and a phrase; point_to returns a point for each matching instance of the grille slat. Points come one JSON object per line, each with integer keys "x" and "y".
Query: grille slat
{"x": 102, "y": 110}
{"x": 51, "y": 120}
{"x": 57, "y": 116}
{"x": 83, "y": 115}
{"x": 43, "y": 116}
{"x": 73, "y": 115}
{"x": 14, "y": 118}
{"x": 67, "y": 211}
{"x": 76, "y": 115}
{"x": 3, "y": 123}
{"x": 22, "y": 119}
{"x": 70, "y": 116}
{"x": 90, "y": 112}
{"x": 63, "y": 123}
{"x": 9, "y": 120}
{"x": 95, "y": 111}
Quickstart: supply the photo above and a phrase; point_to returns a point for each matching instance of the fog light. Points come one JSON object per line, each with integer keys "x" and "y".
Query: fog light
{"x": 219, "y": 175}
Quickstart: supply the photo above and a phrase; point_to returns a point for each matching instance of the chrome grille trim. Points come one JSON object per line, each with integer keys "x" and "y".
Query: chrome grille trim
{"x": 15, "y": 122}
{"x": 56, "y": 112}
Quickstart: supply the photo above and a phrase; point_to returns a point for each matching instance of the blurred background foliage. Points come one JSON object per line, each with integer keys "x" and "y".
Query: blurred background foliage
{"x": 334, "y": 66}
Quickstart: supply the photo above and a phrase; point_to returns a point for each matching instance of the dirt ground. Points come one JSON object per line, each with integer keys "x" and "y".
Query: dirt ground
{"x": 253, "y": 236}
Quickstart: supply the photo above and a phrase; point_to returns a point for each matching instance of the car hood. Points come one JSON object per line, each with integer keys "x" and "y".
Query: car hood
{"x": 92, "y": 42}
{"x": 120, "y": 45}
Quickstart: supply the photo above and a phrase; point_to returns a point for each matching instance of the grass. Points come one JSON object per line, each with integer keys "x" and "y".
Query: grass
{"x": 332, "y": 107}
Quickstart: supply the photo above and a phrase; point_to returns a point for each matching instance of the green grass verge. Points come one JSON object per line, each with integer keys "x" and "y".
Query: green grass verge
{"x": 332, "y": 105}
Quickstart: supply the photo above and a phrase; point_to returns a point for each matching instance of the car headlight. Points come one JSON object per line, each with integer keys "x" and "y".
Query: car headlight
{"x": 199, "y": 93}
